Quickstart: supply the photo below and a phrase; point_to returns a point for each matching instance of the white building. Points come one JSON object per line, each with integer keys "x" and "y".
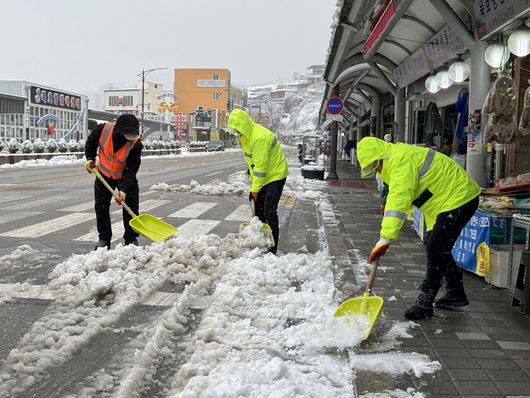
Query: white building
{"x": 47, "y": 113}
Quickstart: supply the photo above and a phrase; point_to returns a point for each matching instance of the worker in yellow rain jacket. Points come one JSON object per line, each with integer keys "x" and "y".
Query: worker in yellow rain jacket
{"x": 267, "y": 168}
{"x": 448, "y": 197}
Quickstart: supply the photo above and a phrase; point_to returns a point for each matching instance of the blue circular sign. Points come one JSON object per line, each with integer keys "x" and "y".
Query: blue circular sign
{"x": 334, "y": 105}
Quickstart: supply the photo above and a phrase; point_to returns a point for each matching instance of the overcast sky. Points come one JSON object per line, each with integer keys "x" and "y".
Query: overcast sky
{"x": 80, "y": 45}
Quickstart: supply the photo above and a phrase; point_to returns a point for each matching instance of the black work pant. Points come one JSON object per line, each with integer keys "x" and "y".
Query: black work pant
{"x": 440, "y": 261}
{"x": 267, "y": 208}
{"x": 103, "y": 198}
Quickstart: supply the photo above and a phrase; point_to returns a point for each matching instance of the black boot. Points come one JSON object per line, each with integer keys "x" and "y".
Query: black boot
{"x": 453, "y": 286}
{"x": 452, "y": 298}
{"x": 423, "y": 306}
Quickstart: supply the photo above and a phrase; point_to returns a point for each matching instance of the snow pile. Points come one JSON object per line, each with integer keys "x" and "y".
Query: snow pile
{"x": 238, "y": 184}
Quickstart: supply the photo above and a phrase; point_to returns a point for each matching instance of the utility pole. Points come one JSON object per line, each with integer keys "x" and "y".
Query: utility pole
{"x": 143, "y": 75}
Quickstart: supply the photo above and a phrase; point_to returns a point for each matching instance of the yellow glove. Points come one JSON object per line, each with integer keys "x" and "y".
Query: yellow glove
{"x": 90, "y": 165}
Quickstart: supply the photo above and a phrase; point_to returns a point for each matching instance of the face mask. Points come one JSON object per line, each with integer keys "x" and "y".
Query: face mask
{"x": 370, "y": 170}
{"x": 233, "y": 132}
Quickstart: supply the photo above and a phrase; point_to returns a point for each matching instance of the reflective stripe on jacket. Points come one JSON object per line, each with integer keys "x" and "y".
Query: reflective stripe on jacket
{"x": 261, "y": 149}
{"x": 419, "y": 177}
{"x": 112, "y": 164}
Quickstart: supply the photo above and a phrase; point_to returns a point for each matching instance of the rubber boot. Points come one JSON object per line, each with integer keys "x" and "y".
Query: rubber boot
{"x": 423, "y": 306}
{"x": 454, "y": 296}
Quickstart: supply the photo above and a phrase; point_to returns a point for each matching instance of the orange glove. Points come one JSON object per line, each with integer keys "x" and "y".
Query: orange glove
{"x": 382, "y": 208}
{"x": 253, "y": 195}
{"x": 120, "y": 199}
{"x": 90, "y": 165}
{"x": 380, "y": 248}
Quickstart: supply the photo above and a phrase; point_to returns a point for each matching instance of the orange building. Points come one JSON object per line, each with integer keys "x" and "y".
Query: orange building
{"x": 202, "y": 87}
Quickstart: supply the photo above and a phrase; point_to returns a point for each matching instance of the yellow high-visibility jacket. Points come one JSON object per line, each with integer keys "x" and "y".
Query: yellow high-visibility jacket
{"x": 420, "y": 177}
{"x": 262, "y": 150}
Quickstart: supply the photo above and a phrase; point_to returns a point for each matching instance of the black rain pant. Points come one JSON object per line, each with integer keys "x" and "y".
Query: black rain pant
{"x": 267, "y": 208}
{"x": 445, "y": 232}
{"x": 103, "y": 198}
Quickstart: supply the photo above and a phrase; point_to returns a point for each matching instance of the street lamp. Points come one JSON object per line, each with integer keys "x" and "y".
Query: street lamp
{"x": 143, "y": 75}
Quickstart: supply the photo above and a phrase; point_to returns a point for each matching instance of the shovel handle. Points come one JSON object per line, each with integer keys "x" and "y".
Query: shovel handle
{"x": 372, "y": 274}
{"x": 98, "y": 175}
{"x": 253, "y": 207}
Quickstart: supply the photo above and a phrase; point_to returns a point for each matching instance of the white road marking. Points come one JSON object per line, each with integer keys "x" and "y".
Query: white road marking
{"x": 194, "y": 228}
{"x": 92, "y": 236}
{"x": 36, "y": 204}
{"x": 79, "y": 207}
{"x": 242, "y": 213}
{"x": 194, "y": 210}
{"x": 7, "y": 218}
{"x": 47, "y": 227}
{"x": 43, "y": 292}
{"x": 212, "y": 174}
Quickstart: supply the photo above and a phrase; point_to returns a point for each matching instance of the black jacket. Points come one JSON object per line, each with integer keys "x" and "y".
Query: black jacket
{"x": 132, "y": 163}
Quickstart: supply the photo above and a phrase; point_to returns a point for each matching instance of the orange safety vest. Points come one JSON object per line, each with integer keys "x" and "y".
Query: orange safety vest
{"x": 112, "y": 164}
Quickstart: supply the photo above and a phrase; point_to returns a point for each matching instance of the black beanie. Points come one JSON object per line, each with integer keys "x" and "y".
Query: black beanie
{"x": 127, "y": 125}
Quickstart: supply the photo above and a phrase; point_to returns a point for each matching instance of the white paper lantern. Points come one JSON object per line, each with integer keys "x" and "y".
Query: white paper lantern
{"x": 519, "y": 43}
{"x": 432, "y": 85}
{"x": 459, "y": 71}
{"x": 496, "y": 55}
{"x": 443, "y": 79}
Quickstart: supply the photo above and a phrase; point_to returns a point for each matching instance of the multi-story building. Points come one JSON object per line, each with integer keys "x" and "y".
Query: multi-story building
{"x": 202, "y": 88}
{"x": 29, "y": 111}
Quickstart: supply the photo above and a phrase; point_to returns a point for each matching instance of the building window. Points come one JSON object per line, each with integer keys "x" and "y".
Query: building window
{"x": 215, "y": 96}
{"x": 216, "y": 77}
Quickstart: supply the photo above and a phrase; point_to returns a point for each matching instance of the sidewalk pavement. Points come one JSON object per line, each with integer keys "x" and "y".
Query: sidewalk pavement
{"x": 484, "y": 348}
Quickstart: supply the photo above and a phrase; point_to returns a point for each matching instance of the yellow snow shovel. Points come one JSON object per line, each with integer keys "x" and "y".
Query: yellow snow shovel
{"x": 368, "y": 305}
{"x": 266, "y": 228}
{"x": 145, "y": 224}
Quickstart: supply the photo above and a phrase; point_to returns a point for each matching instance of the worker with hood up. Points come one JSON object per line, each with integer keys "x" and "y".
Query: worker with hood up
{"x": 267, "y": 168}
{"x": 118, "y": 149}
{"x": 447, "y": 196}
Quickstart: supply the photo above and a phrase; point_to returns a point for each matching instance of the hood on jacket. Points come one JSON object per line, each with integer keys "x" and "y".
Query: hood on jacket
{"x": 240, "y": 121}
{"x": 128, "y": 126}
{"x": 370, "y": 151}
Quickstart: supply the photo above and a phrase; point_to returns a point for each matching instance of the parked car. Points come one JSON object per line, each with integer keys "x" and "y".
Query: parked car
{"x": 214, "y": 146}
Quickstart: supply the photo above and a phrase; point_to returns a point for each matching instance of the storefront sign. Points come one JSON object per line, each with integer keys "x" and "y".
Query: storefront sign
{"x": 471, "y": 250}
{"x": 474, "y": 134}
{"x": 414, "y": 67}
{"x": 178, "y": 126}
{"x": 443, "y": 46}
{"x": 211, "y": 83}
{"x": 492, "y": 15}
{"x": 380, "y": 25}
{"x": 42, "y": 96}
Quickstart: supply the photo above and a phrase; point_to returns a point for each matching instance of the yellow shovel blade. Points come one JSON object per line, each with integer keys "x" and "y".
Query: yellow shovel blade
{"x": 371, "y": 306}
{"x": 151, "y": 227}
{"x": 266, "y": 229}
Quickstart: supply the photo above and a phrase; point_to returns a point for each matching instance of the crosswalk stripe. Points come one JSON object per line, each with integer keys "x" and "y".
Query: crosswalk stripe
{"x": 92, "y": 236}
{"x": 47, "y": 227}
{"x": 194, "y": 210}
{"x": 43, "y": 292}
{"x": 194, "y": 228}
{"x": 79, "y": 207}
{"x": 7, "y": 218}
{"x": 36, "y": 204}
{"x": 242, "y": 213}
